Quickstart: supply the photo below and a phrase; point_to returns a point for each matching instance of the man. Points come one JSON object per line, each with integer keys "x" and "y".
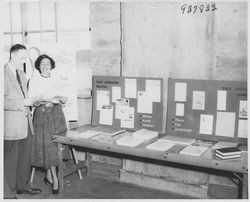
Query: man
{"x": 18, "y": 128}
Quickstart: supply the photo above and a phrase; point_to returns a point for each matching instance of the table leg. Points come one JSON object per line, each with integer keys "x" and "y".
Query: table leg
{"x": 76, "y": 161}
{"x": 60, "y": 167}
{"x": 32, "y": 174}
{"x": 87, "y": 162}
{"x": 245, "y": 186}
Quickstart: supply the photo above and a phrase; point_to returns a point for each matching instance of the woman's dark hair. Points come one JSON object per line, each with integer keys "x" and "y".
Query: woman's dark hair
{"x": 39, "y": 60}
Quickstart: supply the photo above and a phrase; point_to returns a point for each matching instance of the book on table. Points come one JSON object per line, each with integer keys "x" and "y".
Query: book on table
{"x": 228, "y": 157}
{"x": 194, "y": 150}
{"x": 224, "y": 144}
{"x": 228, "y": 151}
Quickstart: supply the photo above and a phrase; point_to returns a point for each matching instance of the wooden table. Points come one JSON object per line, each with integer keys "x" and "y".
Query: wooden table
{"x": 238, "y": 167}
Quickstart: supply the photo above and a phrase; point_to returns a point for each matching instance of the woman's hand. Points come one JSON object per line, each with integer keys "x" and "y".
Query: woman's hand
{"x": 42, "y": 100}
{"x": 28, "y": 102}
{"x": 59, "y": 99}
{"x": 39, "y": 102}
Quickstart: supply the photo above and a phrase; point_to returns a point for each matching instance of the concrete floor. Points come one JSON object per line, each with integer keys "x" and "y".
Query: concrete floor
{"x": 97, "y": 186}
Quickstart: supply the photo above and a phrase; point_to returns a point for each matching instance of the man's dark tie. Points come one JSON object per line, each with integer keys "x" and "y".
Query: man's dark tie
{"x": 19, "y": 82}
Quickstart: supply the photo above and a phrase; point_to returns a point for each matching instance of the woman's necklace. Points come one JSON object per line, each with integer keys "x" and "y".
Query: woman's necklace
{"x": 45, "y": 75}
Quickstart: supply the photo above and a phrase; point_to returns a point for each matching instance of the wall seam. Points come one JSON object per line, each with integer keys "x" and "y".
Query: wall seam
{"x": 121, "y": 37}
{"x": 213, "y": 65}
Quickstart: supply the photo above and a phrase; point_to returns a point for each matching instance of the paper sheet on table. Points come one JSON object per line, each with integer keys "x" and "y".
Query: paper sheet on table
{"x": 116, "y": 93}
{"x": 120, "y": 106}
{"x": 106, "y": 115}
{"x": 194, "y": 150}
{"x": 129, "y": 141}
{"x": 85, "y": 135}
{"x": 180, "y": 92}
{"x": 198, "y": 100}
{"x": 102, "y": 98}
{"x": 160, "y": 146}
{"x": 221, "y": 100}
{"x": 177, "y": 140}
{"x": 206, "y": 124}
{"x": 179, "y": 109}
{"x": 144, "y": 103}
{"x": 242, "y": 129}
{"x": 145, "y": 134}
{"x": 103, "y": 138}
{"x": 130, "y": 88}
{"x": 153, "y": 88}
{"x": 128, "y": 118}
{"x": 243, "y": 109}
{"x": 225, "y": 124}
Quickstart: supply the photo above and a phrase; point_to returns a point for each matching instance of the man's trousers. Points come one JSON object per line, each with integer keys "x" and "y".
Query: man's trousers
{"x": 17, "y": 164}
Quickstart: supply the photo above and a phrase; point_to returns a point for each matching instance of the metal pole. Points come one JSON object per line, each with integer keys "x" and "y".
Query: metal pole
{"x": 40, "y": 21}
{"x": 11, "y": 24}
{"x": 56, "y": 28}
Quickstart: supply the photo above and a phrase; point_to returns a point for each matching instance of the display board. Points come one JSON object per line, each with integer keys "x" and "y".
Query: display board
{"x": 207, "y": 109}
{"x": 127, "y": 102}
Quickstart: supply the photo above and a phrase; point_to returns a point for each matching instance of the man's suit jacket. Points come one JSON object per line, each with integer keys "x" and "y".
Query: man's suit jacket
{"x": 16, "y": 115}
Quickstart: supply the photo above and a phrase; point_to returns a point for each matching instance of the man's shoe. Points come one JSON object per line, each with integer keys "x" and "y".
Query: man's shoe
{"x": 29, "y": 191}
{"x": 14, "y": 197}
{"x": 19, "y": 191}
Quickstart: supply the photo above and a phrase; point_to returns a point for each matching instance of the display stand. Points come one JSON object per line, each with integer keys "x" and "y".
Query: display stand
{"x": 198, "y": 109}
{"x": 207, "y": 109}
{"x": 127, "y": 102}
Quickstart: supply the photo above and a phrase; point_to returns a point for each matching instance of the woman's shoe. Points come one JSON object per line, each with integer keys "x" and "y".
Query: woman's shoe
{"x": 55, "y": 191}
{"x": 46, "y": 181}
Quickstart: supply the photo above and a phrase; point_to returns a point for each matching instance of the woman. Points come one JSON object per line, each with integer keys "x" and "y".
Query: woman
{"x": 48, "y": 118}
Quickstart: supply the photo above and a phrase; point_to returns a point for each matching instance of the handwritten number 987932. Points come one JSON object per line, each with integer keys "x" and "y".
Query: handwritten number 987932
{"x": 198, "y": 8}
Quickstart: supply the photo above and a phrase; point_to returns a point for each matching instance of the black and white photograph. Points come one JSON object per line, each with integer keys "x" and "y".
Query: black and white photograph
{"x": 124, "y": 99}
